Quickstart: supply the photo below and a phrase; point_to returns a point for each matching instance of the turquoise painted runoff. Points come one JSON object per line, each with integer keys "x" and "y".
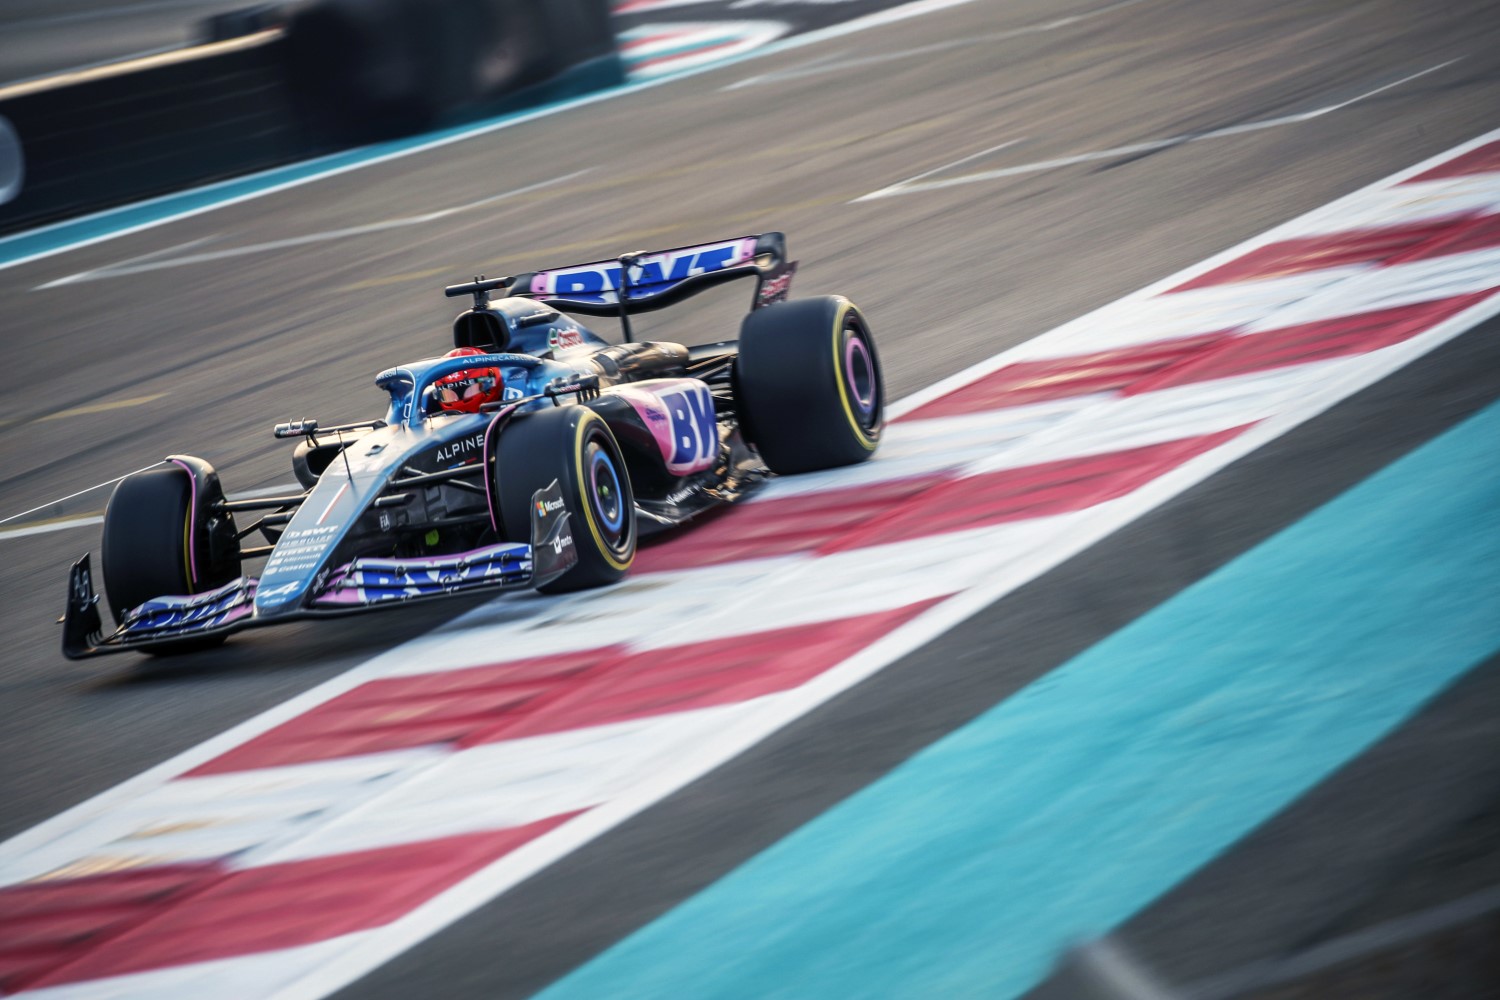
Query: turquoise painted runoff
{"x": 1070, "y": 806}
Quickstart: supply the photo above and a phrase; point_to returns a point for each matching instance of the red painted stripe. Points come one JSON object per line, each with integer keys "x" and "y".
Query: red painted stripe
{"x": 635, "y": 43}
{"x": 674, "y": 57}
{"x": 1314, "y": 253}
{"x": 1342, "y": 336}
{"x": 1059, "y": 378}
{"x": 468, "y": 707}
{"x": 1480, "y": 233}
{"x": 399, "y": 713}
{"x": 779, "y": 527}
{"x": 636, "y": 6}
{"x": 460, "y": 708}
{"x": 1477, "y": 161}
{"x": 471, "y": 706}
{"x": 1033, "y": 491}
{"x": 290, "y": 904}
{"x": 44, "y": 925}
{"x": 702, "y": 675}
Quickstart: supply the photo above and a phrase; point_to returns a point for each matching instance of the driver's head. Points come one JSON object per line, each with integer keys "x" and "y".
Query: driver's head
{"x": 466, "y": 391}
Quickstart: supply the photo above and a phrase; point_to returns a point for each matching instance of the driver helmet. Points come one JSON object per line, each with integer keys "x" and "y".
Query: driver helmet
{"x": 466, "y": 391}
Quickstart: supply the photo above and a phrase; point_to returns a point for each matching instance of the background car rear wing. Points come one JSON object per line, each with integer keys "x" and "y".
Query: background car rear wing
{"x": 653, "y": 279}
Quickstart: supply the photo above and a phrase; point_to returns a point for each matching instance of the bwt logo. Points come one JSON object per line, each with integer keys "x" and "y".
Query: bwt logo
{"x": 695, "y": 429}
{"x": 594, "y": 281}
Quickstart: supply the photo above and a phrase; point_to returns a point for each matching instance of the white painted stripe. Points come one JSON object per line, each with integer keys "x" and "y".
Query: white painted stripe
{"x": 1076, "y": 427}
{"x": 1186, "y": 411}
{"x": 271, "y": 814}
{"x": 1213, "y": 309}
{"x": 511, "y": 784}
{"x": 1272, "y": 303}
{"x": 1391, "y": 287}
{"x": 243, "y": 976}
{"x": 329, "y": 509}
{"x": 1420, "y": 201}
{"x": 232, "y": 813}
{"x": 923, "y": 447}
{"x": 743, "y": 599}
{"x": 716, "y": 42}
{"x": 668, "y": 38}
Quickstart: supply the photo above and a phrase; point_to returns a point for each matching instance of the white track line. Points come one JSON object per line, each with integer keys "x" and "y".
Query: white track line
{"x": 42, "y": 529}
{"x": 371, "y": 155}
{"x": 831, "y": 64}
{"x": 70, "y": 496}
{"x": 913, "y": 187}
{"x": 139, "y": 265}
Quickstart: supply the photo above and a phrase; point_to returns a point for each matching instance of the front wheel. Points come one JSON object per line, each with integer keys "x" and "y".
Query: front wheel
{"x": 574, "y": 446}
{"x": 808, "y": 385}
{"x": 163, "y": 538}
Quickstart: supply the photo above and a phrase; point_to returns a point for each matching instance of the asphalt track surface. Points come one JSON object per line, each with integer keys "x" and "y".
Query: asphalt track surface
{"x": 53, "y": 36}
{"x": 203, "y": 355}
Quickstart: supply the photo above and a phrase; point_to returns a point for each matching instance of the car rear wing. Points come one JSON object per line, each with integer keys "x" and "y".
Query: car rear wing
{"x": 655, "y": 279}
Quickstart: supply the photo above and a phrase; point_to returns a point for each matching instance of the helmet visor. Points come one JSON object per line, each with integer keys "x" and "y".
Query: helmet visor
{"x": 467, "y": 390}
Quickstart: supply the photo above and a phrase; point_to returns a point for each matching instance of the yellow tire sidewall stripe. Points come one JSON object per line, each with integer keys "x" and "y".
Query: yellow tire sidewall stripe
{"x": 187, "y": 538}
{"x": 842, "y": 377}
{"x": 600, "y": 544}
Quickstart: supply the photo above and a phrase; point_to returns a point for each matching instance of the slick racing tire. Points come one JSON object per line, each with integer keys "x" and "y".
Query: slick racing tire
{"x": 808, "y": 385}
{"x": 573, "y": 445}
{"x": 161, "y": 540}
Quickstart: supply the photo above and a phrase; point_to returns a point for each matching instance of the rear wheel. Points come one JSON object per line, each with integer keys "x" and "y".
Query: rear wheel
{"x": 808, "y": 385}
{"x": 574, "y": 446}
{"x": 160, "y": 539}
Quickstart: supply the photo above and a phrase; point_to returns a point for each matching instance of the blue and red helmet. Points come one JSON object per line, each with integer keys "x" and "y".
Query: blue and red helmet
{"x": 466, "y": 391}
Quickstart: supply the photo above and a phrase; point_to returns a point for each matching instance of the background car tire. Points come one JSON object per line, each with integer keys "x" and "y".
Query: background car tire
{"x": 808, "y": 385}
{"x": 148, "y": 525}
{"x": 573, "y": 445}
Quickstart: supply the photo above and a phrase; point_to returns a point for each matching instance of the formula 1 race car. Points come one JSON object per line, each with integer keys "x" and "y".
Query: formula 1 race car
{"x": 535, "y": 454}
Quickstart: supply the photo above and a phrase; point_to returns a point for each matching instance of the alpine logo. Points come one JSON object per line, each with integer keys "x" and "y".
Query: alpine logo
{"x": 462, "y": 447}
{"x": 278, "y": 593}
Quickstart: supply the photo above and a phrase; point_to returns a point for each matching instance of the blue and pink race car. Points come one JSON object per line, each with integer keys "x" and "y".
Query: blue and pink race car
{"x": 534, "y": 454}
